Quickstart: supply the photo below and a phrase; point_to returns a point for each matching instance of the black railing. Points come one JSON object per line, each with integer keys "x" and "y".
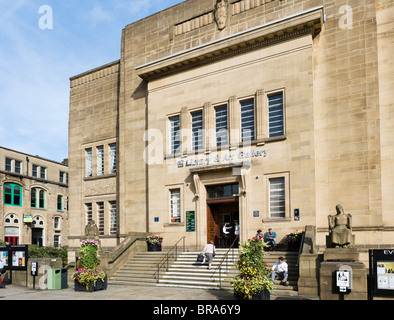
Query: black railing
{"x": 171, "y": 254}
{"x": 124, "y": 250}
{"x": 300, "y": 249}
{"x": 225, "y": 259}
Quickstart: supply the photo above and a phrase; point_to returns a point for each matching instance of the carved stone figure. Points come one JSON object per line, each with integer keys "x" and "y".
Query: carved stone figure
{"x": 91, "y": 229}
{"x": 221, "y": 13}
{"x": 340, "y": 226}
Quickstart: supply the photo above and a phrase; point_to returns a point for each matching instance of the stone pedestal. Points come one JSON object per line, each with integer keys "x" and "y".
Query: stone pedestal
{"x": 343, "y": 259}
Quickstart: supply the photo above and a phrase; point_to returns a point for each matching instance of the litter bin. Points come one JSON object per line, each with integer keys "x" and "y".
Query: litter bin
{"x": 54, "y": 279}
{"x": 64, "y": 284}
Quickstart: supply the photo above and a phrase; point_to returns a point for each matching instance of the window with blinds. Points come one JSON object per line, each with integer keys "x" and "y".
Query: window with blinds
{"x": 221, "y": 121}
{"x": 247, "y": 120}
{"x": 100, "y": 217}
{"x": 88, "y": 162}
{"x": 197, "y": 130}
{"x": 88, "y": 212}
{"x": 276, "y": 115}
{"x": 175, "y": 205}
{"x": 100, "y": 160}
{"x": 112, "y": 158}
{"x": 175, "y": 140}
{"x": 277, "y": 197}
{"x": 113, "y": 220}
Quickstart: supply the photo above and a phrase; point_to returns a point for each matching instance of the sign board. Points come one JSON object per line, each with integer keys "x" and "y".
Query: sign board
{"x": 381, "y": 263}
{"x": 4, "y": 255}
{"x": 34, "y": 269}
{"x": 190, "y": 221}
{"x": 342, "y": 281}
{"x": 18, "y": 256}
{"x": 27, "y": 218}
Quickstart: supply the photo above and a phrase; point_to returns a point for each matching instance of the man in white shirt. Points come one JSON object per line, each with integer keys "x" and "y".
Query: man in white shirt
{"x": 281, "y": 270}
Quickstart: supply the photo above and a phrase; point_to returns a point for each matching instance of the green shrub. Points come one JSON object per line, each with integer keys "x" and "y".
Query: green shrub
{"x": 48, "y": 252}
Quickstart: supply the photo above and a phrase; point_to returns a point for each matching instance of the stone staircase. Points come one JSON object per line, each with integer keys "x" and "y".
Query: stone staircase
{"x": 185, "y": 272}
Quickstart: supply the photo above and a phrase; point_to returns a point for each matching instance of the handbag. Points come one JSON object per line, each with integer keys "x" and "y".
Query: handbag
{"x": 200, "y": 258}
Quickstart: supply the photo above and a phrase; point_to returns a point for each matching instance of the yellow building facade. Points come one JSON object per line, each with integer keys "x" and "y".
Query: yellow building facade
{"x": 265, "y": 113}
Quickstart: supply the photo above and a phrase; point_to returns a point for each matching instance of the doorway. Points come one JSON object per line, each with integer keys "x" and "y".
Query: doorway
{"x": 222, "y": 208}
{"x": 37, "y": 236}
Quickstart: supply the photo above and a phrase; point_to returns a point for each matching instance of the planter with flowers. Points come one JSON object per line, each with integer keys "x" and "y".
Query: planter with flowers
{"x": 154, "y": 243}
{"x": 254, "y": 282}
{"x": 89, "y": 276}
{"x": 294, "y": 240}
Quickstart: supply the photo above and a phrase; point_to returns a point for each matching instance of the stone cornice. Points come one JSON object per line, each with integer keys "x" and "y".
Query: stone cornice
{"x": 297, "y": 25}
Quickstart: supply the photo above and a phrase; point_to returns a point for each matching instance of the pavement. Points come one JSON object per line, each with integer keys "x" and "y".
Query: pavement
{"x": 118, "y": 292}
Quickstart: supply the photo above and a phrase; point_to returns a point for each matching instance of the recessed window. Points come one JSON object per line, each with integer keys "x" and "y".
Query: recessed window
{"x": 197, "y": 130}
{"x": 100, "y": 217}
{"x": 221, "y": 121}
{"x": 276, "y": 115}
{"x": 59, "y": 203}
{"x": 247, "y": 120}
{"x": 13, "y": 194}
{"x": 175, "y": 139}
{"x": 277, "y": 198}
{"x": 175, "y": 205}
{"x": 88, "y": 162}
{"x": 100, "y": 160}
{"x": 112, "y": 158}
{"x": 113, "y": 220}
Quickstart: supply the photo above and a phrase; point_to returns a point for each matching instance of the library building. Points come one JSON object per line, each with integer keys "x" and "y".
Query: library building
{"x": 239, "y": 115}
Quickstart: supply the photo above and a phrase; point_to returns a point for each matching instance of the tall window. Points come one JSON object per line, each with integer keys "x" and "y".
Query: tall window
{"x": 175, "y": 205}
{"x": 59, "y": 203}
{"x": 88, "y": 212}
{"x": 100, "y": 217}
{"x": 43, "y": 173}
{"x": 247, "y": 120}
{"x": 18, "y": 167}
{"x": 112, "y": 158}
{"x": 88, "y": 162}
{"x": 175, "y": 139}
{"x": 277, "y": 197}
{"x": 221, "y": 121}
{"x": 35, "y": 171}
{"x": 41, "y": 200}
{"x": 197, "y": 130}
{"x": 56, "y": 223}
{"x": 13, "y": 194}
{"x": 276, "y": 115}
{"x": 8, "y": 165}
{"x": 100, "y": 160}
{"x": 33, "y": 196}
{"x": 113, "y": 220}
{"x": 56, "y": 241}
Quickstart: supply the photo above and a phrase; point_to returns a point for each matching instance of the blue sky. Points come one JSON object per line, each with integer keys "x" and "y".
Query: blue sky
{"x": 36, "y": 63}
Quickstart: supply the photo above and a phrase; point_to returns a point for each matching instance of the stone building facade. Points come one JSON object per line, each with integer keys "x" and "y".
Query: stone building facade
{"x": 265, "y": 112}
{"x": 34, "y": 200}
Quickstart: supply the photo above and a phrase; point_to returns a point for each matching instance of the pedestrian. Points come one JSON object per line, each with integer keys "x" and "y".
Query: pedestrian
{"x": 282, "y": 270}
{"x": 259, "y": 234}
{"x": 226, "y": 234}
{"x": 209, "y": 251}
{"x": 236, "y": 233}
{"x": 270, "y": 239}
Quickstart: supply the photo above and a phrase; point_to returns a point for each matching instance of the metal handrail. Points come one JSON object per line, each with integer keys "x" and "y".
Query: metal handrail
{"x": 164, "y": 261}
{"x": 300, "y": 249}
{"x": 124, "y": 250}
{"x": 219, "y": 267}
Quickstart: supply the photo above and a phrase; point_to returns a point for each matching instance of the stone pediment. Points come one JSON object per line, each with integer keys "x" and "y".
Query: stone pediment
{"x": 308, "y": 22}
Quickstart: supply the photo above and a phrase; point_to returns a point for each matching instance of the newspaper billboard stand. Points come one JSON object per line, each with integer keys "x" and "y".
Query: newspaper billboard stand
{"x": 14, "y": 257}
{"x": 381, "y": 274}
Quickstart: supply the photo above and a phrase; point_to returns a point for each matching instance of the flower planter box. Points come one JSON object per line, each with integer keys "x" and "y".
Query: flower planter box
{"x": 100, "y": 285}
{"x": 263, "y": 295}
{"x": 154, "y": 247}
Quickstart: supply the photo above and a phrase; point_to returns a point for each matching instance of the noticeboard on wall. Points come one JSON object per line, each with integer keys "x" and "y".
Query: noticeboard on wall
{"x": 14, "y": 257}
{"x": 190, "y": 221}
{"x": 382, "y": 266}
